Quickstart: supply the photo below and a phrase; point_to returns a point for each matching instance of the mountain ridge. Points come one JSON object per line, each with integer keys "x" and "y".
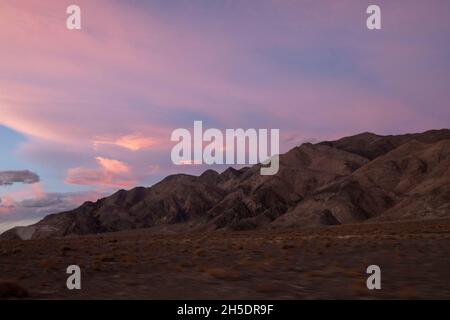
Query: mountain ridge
{"x": 354, "y": 179}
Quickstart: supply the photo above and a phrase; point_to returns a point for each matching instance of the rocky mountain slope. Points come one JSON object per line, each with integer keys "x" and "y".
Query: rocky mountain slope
{"x": 366, "y": 177}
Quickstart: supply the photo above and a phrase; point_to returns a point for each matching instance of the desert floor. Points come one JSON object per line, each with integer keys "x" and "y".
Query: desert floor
{"x": 323, "y": 263}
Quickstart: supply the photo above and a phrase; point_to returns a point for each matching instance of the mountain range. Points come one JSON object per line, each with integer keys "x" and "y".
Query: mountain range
{"x": 365, "y": 177}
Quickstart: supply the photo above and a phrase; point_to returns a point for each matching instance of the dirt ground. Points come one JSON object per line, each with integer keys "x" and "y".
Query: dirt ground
{"x": 320, "y": 263}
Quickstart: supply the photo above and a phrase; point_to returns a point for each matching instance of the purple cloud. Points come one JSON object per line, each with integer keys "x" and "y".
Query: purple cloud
{"x": 25, "y": 176}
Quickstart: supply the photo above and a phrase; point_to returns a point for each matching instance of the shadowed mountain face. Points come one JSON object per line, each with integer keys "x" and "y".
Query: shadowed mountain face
{"x": 354, "y": 179}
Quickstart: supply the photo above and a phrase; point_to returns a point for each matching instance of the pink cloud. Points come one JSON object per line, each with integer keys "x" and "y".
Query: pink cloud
{"x": 113, "y": 166}
{"x": 112, "y": 173}
{"x": 133, "y": 142}
{"x": 6, "y": 205}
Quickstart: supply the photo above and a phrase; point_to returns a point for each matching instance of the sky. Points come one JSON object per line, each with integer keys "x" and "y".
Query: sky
{"x": 86, "y": 112}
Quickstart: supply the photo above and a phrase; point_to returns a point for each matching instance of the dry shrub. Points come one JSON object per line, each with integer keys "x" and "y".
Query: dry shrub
{"x": 9, "y": 290}
{"x": 106, "y": 258}
{"x": 129, "y": 260}
{"x": 49, "y": 263}
{"x": 287, "y": 246}
{"x": 359, "y": 289}
{"x": 407, "y": 293}
{"x": 267, "y": 287}
{"x": 96, "y": 265}
{"x": 224, "y": 274}
{"x": 64, "y": 250}
{"x": 200, "y": 252}
{"x": 16, "y": 250}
